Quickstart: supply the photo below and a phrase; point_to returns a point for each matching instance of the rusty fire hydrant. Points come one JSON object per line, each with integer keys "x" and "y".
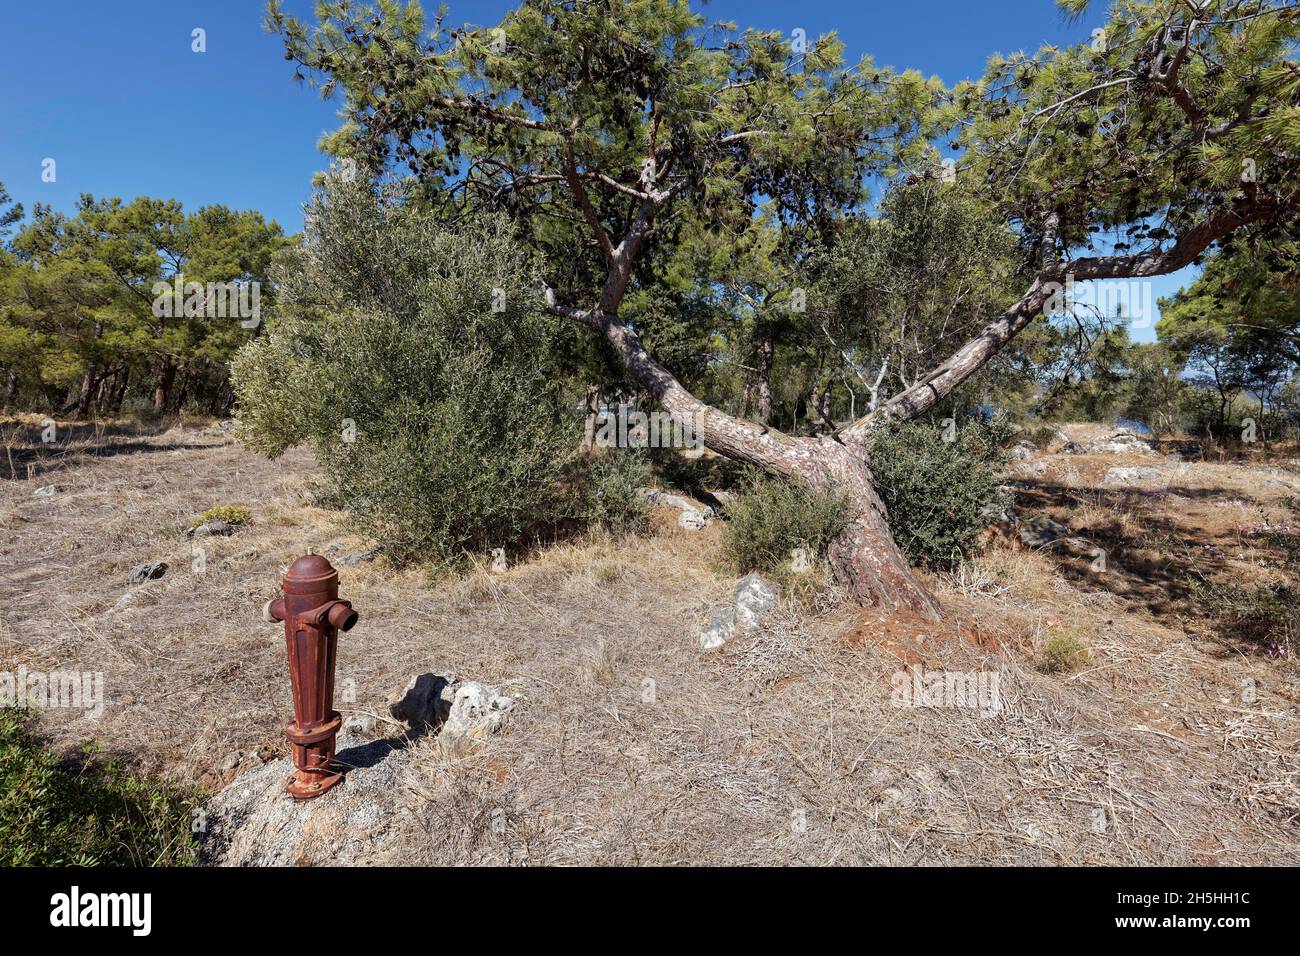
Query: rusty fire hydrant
{"x": 313, "y": 615}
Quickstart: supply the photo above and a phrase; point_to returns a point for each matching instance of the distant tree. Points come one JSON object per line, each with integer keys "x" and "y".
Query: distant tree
{"x": 72, "y": 304}
{"x": 14, "y": 339}
{"x": 89, "y": 304}
{"x": 11, "y": 213}
{"x": 1156, "y": 390}
{"x": 1237, "y": 327}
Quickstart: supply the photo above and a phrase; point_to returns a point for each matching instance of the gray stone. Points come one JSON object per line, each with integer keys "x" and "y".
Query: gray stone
{"x": 352, "y": 560}
{"x": 46, "y": 491}
{"x": 361, "y": 727}
{"x": 476, "y": 711}
{"x": 1038, "y": 532}
{"x": 754, "y": 598}
{"x": 692, "y": 519}
{"x": 1116, "y": 476}
{"x": 693, "y": 516}
{"x": 1282, "y": 483}
{"x": 1029, "y": 469}
{"x": 455, "y": 709}
{"x": 720, "y": 629}
{"x": 1022, "y": 451}
{"x": 148, "y": 571}
{"x": 1003, "y": 516}
{"x": 1120, "y": 442}
{"x": 253, "y": 822}
{"x": 216, "y": 527}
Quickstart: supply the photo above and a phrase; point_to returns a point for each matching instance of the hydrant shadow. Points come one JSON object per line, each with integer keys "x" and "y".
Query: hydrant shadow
{"x": 364, "y": 756}
{"x": 367, "y": 755}
{"x": 422, "y": 706}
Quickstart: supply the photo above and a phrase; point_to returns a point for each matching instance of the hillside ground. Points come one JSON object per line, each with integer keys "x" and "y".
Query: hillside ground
{"x": 1170, "y": 741}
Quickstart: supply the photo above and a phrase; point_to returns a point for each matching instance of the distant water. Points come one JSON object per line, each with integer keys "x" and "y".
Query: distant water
{"x": 1142, "y": 428}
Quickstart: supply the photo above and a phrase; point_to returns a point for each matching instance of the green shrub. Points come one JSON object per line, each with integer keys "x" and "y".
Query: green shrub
{"x": 87, "y": 812}
{"x": 1267, "y": 616}
{"x": 773, "y": 517}
{"x": 938, "y": 492}
{"x": 417, "y": 361}
{"x": 1041, "y": 435}
{"x": 229, "y": 514}
{"x": 1064, "y": 652}
{"x": 610, "y": 482}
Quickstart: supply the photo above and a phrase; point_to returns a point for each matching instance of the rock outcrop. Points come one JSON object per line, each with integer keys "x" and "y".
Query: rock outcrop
{"x": 754, "y": 599}
{"x": 1120, "y": 442}
{"x": 692, "y": 516}
{"x": 254, "y": 822}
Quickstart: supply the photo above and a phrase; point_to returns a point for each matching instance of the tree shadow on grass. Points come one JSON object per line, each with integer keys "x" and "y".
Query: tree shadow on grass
{"x": 26, "y": 455}
{"x": 1147, "y": 559}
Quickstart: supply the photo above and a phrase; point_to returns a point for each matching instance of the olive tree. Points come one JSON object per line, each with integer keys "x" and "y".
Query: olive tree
{"x": 416, "y": 361}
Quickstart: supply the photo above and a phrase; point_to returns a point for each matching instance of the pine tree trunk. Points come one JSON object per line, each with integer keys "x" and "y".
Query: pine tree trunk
{"x": 864, "y": 555}
{"x": 104, "y": 389}
{"x": 763, "y": 408}
{"x": 120, "y": 395}
{"x": 819, "y": 406}
{"x": 87, "y": 391}
{"x": 166, "y": 375}
{"x": 593, "y": 414}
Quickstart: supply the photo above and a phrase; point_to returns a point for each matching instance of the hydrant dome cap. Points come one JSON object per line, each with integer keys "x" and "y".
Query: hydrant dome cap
{"x": 310, "y": 566}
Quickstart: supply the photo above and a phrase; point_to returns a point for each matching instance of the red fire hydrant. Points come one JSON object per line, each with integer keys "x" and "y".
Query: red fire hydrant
{"x": 313, "y": 615}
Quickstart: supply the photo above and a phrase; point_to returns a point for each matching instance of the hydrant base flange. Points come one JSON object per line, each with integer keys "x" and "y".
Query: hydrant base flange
{"x": 308, "y": 784}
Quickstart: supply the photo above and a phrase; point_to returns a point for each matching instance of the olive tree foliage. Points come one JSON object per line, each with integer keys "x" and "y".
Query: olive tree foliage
{"x": 417, "y": 362}
{"x": 828, "y": 317}
{"x": 602, "y": 127}
{"x": 896, "y": 293}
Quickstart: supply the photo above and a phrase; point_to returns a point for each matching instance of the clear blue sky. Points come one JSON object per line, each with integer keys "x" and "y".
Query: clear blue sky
{"x": 113, "y": 93}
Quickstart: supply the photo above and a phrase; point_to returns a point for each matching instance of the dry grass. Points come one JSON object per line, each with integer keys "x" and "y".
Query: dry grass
{"x": 630, "y": 746}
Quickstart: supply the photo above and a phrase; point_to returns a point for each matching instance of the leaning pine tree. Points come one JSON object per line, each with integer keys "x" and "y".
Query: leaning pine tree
{"x": 597, "y": 125}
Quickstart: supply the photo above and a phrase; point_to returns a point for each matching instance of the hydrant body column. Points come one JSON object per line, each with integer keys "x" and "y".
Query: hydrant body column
{"x": 313, "y": 615}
